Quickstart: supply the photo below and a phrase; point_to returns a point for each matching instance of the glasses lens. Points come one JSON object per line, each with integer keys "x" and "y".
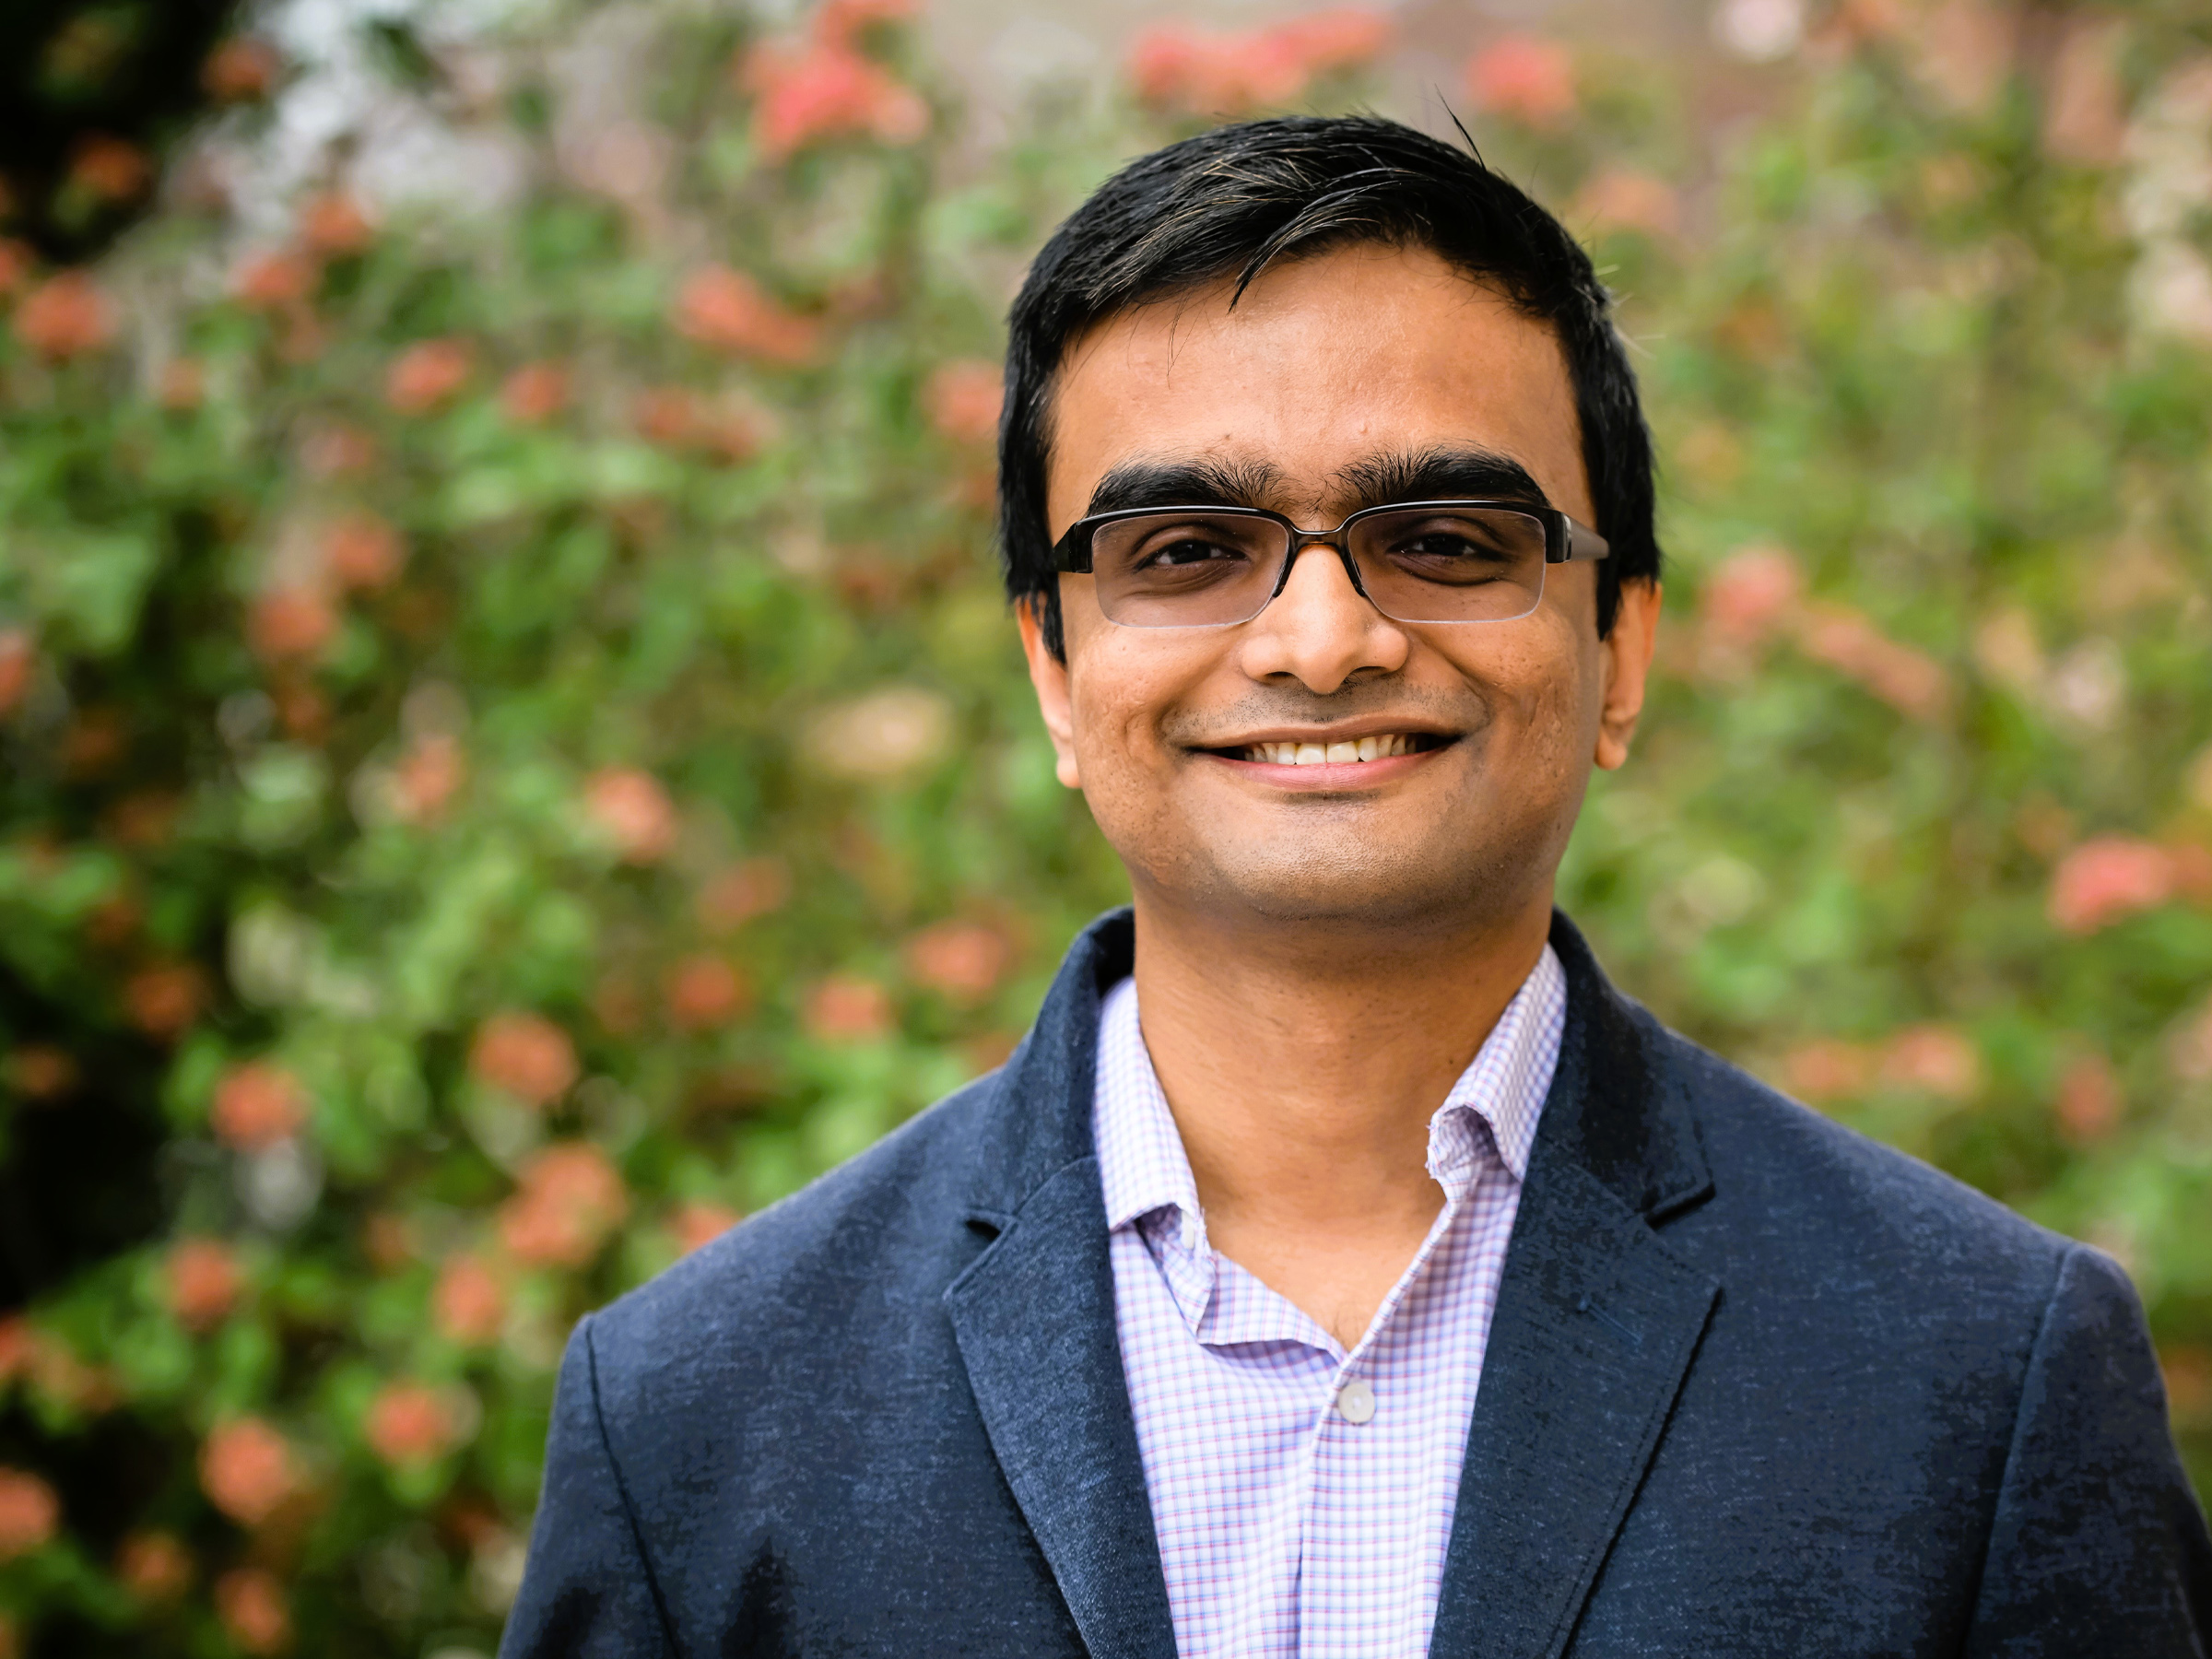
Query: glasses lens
{"x": 1452, "y": 564}
{"x": 1186, "y": 569}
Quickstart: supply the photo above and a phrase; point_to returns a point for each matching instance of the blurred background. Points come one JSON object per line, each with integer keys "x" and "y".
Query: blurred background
{"x": 514, "y": 755}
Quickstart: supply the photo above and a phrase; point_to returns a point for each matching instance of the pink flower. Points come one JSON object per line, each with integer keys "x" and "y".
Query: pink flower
{"x": 695, "y": 1225}
{"x": 110, "y": 167}
{"x": 569, "y": 1199}
{"x": 65, "y": 316}
{"x": 361, "y": 551}
{"x": 154, "y": 1566}
{"x": 826, "y": 90}
{"x": 1909, "y": 681}
{"x": 728, "y": 311}
{"x": 241, "y": 70}
{"x": 526, "y": 1055}
{"x": 1174, "y": 66}
{"x": 704, "y": 991}
{"x": 273, "y": 281}
{"x": 203, "y": 1282}
{"x": 29, "y": 1513}
{"x": 534, "y": 393}
{"x": 664, "y": 415}
{"x": 16, "y": 262}
{"x": 287, "y": 624}
{"x": 338, "y": 450}
{"x": 334, "y": 226}
{"x": 1525, "y": 79}
{"x": 427, "y": 374}
{"x": 258, "y": 1104}
{"x": 2106, "y": 879}
{"x": 630, "y": 808}
{"x": 963, "y": 401}
{"x": 1751, "y": 593}
{"x": 254, "y": 1610}
{"x": 427, "y": 777}
{"x": 410, "y": 1424}
{"x": 737, "y": 895}
{"x": 1343, "y": 37}
{"x": 39, "y": 1071}
{"x": 1933, "y": 1059}
{"x": 18, "y": 657}
{"x": 1622, "y": 198}
{"x": 19, "y": 1347}
{"x": 2089, "y": 1100}
{"x": 468, "y": 1302}
{"x": 164, "y": 999}
{"x": 961, "y": 960}
{"x": 847, "y": 1008}
{"x": 1828, "y": 1070}
{"x": 247, "y": 1470}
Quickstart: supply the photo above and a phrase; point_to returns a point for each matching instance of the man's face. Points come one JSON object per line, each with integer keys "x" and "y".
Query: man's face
{"x": 1340, "y": 382}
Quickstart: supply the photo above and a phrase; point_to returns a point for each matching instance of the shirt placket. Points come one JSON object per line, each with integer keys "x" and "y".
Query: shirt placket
{"x": 1353, "y": 1578}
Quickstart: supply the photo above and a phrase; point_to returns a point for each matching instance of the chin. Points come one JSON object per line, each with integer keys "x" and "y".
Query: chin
{"x": 1363, "y": 888}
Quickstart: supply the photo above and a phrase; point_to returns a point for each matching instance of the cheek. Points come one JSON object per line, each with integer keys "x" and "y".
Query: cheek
{"x": 1117, "y": 689}
{"x": 1544, "y": 691}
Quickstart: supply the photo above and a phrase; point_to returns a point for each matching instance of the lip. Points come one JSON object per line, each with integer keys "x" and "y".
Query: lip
{"x": 1337, "y": 777}
{"x": 1350, "y": 731}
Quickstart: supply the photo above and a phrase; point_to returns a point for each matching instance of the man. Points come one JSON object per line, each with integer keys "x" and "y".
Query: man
{"x": 1341, "y": 1267}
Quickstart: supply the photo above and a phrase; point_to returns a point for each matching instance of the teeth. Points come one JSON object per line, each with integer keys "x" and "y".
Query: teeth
{"x": 1315, "y": 754}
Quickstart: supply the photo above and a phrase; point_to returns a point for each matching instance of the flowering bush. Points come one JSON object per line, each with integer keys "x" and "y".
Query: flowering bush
{"x": 516, "y": 757}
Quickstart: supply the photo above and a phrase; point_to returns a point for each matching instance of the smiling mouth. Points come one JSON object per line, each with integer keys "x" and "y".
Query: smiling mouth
{"x": 1385, "y": 745}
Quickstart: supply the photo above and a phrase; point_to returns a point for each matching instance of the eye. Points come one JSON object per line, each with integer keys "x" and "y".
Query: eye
{"x": 1176, "y": 552}
{"x": 1462, "y": 548}
{"x": 1455, "y": 544}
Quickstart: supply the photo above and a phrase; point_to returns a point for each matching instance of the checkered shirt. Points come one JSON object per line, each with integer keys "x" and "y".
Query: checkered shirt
{"x": 1286, "y": 1529}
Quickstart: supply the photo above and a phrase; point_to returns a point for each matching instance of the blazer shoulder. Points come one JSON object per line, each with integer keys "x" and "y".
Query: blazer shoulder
{"x": 882, "y": 1227}
{"x": 1835, "y": 1190}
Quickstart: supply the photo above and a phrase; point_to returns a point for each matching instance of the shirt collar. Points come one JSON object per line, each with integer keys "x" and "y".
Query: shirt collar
{"x": 1142, "y": 1165}
{"x": 1493, "y": 1108}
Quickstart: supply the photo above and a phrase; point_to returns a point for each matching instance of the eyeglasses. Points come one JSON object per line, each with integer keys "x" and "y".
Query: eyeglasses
{"x": 1414, "y": 561}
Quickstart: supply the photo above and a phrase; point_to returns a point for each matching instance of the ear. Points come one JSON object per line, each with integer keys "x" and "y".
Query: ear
{"x": 1624, "y": 663}
{"x": 1048, "y": 675}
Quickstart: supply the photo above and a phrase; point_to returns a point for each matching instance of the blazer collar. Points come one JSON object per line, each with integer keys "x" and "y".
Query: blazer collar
{"x": 1596, "y": 1325}
{"x": 1612, "y": 1111}
{"x": 1034, "y": 1319}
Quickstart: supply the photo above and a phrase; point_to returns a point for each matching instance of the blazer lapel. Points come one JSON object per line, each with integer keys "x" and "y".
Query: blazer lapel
{"x": 1596, "y": 1325}
{"x": 1034, "y": 1318}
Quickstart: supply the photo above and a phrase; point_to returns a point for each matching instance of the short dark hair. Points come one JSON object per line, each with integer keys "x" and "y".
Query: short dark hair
{"x": 1233, "y": 200}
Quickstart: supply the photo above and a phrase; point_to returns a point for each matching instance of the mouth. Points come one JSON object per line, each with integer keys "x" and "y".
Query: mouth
{"x": 1343, "y": 751}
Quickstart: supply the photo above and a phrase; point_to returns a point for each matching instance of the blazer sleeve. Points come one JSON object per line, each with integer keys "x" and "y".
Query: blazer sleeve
{"x": 2098, "y": 1546}
{"x": 587, "y": 1588}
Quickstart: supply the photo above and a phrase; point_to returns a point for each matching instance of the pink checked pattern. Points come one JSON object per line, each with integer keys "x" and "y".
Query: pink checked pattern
{"x": 1286, "y": 1530}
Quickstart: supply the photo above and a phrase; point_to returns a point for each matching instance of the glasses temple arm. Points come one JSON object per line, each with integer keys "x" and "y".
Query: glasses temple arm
{"x": 1584, "y": 541}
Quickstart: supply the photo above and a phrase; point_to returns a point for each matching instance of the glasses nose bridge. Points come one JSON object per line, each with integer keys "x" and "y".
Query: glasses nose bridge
{"x": 1339, "y": 540}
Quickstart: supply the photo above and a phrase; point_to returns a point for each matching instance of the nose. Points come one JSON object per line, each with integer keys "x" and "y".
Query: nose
{"x": 1319, "y": 631}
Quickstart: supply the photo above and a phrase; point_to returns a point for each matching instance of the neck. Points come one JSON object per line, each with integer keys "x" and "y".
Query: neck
{"x": 1303, "y": 1069}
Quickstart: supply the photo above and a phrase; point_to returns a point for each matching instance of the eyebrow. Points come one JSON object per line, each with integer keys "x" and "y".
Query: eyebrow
{"x": 1436, "y": 473}
{"x": 1198, "y": 481}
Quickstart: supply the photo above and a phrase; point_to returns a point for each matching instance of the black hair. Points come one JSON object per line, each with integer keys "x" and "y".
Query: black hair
{"x": 1233, "y": 200}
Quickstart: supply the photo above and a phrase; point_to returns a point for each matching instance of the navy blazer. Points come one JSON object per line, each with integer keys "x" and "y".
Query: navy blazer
{"x": 1755, "y": 1386}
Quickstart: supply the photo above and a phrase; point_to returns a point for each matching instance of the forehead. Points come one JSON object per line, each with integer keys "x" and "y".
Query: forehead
{"x": 1323, "y": 362}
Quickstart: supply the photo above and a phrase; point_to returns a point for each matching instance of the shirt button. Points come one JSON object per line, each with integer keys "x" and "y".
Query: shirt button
{"x": 1355, "y": 1402}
